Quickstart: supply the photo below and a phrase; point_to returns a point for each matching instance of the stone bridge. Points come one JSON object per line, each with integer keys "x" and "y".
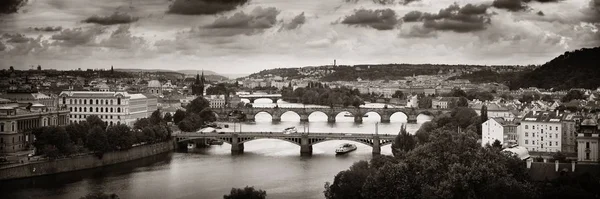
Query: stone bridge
{"x": 357, "y": 113}
{"x": 252, "y": 97}
{"x": 304, "y": 140}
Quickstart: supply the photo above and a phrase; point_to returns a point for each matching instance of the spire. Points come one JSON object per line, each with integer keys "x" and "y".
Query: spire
{"x": 202, "y": 80}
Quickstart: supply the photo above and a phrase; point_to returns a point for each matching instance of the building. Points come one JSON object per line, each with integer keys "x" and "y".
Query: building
{"x": 413, "y": 101}
{"x": 498, "y": 129}
{"x": 569, "y": 135}
{"x": 216, "y": 101}
{"x": 495, "y": 110}
{"x": 587, "y": 140}
{"x": 444, "y": 102}
{"x": 154, "y": 87}
{"x": 198, "y": 86}
{"x": 111, "y": 107}
{"x": 17, "y": 122}
{"x": 541, "y": 131}
{"x": 25, "y": 97}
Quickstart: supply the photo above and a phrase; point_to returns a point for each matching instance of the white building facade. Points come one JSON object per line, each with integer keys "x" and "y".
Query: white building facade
{"x": 541, "y": 131}
{"x": 111, "y": 107}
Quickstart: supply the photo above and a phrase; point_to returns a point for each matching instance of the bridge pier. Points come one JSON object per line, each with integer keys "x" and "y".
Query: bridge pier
{"x": 411, "y": 119}
{"x": 236, "y": 147}
{"x": 276, "y": 118}
{"x": 251, "y": 100}
{"x": 305, "y": 146}
{"x": 376, "y": 145}
{"x": 385, "y": 118}
{"x": 250, "y": 117}
{"x": 304, "y": 118}
{"x": 358, "y": 118}
{"x": 331, "y": 118}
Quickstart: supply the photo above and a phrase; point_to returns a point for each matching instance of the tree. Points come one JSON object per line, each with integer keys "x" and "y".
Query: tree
{"x": 12, "y": 69}
{"x": 246, "y": 193}
{"x": 573, "y": 95}
{"x": 112, "y": 70}
{"x": 497, "y": 144}
{"x": 97, "y": 140}
{"x": 348, "y": 184}
{"x": 424, "y": 101}
{"x": 398, "y": 94}
{"x": 197, "y": 105}
{"x": 483, "y": 118}
{"x": 168, "y": 117}
{"x": 120, "y": 137}
{"x": 156, "y": 117}
{"x": 11, "y": 6}
{"x": 463, "y": 116}
{"x": 94, "y": 121}
{"x": 39, "y": 67}
{"x": 462, "y": 102}
{"x": 457, "y": 92}
{"x": 548, "y": 98}
{"x": 560, "y": 156}
{"x": 179, "y": 115}
{"x": 403, "y": 142}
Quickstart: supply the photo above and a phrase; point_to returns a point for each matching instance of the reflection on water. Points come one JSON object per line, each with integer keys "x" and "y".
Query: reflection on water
{"x": 272, "y": 165}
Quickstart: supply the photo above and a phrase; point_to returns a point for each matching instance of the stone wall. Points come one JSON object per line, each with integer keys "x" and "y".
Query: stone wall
{"x": 83, "y": 162}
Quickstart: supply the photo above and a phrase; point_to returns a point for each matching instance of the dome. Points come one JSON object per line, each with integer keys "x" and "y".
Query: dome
{"x": 154, "y": 83}
{"x": 521, "y": 152}
{"x": 589, "y": 122}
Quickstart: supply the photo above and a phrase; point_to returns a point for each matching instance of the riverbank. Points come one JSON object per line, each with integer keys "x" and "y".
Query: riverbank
{"x": 83, "y": 162}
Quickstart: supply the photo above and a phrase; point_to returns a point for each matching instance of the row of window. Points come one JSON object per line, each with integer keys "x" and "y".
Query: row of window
{"x": 98, "y": 109}
{"x": 12, "y": 127}
{"x": 549, "y": 135}
{"x": 100, "y": 116}
{"x": 91, "y": 101}
{"x": 533, "y": 127}
{"x": 21, "y": 138}
{"x": 542, "y": 145}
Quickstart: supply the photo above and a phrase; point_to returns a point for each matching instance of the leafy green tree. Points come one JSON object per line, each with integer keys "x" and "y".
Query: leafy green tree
{"x": 497, "y": 144}
{"x": 398, "y": 94}
{"x": 168, "y": 117}
{"x": 97, "y": 140}
{"x": 403, "y": 142}
{"x": 179, "y": 115}
{"x": 462, "y": 102}
{"x": 94, "y": 121}
{"x": 156, "y": 117}
{"x": 573, "y": 95}
{"x": 120, "y": 137}
{"x": 348, "y": 184}
{"x": 246, "y": 193}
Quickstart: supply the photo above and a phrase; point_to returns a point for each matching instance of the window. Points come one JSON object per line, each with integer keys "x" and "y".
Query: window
{"x": 550, "y": 135}
{"x": 84, "y": 101}
{"x": 587, "y": 156}
{"x": 84, "y": 109}
{"x": 525, "y": 126}
{"x": 526, "y": 141}
{"x": 526, "y": 134}
{"x": 556, "y": 135}
{"x": 91, "y": 101}
{"x": 542, "y": 138}
{"x": 118, "y": 110}
{"x": 91, "y": 109}
{"x": 111, "y": 109}
{"x": 96, "y": 101}
{"x": 119, "y": 101}
{"x": 1, "y": 127}
{"x": 550, "y": 143}
{"x": 556, "y": 143}
{"x": 532, "y": 127}
{"x": 64, "y": 100}
{"x": 556, "y": 128}
{"x": 96, "y": 109}
{"x": 587, "y": 145}
{"x": 70, "y": 101}
{"x": 71, "y": 109}
{"x": 533, "y": 142}
{"x": 532, "y": 134}
{"x": 12, "y": 128}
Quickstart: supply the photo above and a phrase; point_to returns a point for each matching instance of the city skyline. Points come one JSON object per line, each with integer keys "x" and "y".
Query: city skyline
{"x": 265, "y": 34}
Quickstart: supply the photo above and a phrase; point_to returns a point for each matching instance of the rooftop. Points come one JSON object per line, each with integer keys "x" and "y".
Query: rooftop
{"x": 543, "y": 116}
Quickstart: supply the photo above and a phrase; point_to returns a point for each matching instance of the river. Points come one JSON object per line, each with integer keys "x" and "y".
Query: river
{"x": 272, "y": 165}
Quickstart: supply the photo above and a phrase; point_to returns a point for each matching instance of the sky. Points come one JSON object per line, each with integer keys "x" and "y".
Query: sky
{"x": 246, "y": 36}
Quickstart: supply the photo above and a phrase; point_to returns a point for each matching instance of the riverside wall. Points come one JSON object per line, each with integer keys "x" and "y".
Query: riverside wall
{"x": 89, "y": 161}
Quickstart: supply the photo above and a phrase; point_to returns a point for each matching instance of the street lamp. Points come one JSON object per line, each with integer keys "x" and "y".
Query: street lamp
{"x": 377, "y": 128}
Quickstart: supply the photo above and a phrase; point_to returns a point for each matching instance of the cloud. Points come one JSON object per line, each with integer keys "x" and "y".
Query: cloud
{"x": 2, "y": 46}
{"x": 540, "y": 13}
{"x": 409, "y": 1}
{"x": 204, "y": 7}
{"x": 241, "y": 23}
{"x": 469, "y": 18}
{"x": 295, "y": 23}
{"x": 378, "y": 19}
{"x": 122, "y": 38}
{"x": 76, "y": 36}
{"x": 48, "y": 29}
{"x": 384, "y": 2}
{"x": 417, "y": 32}
{"x": 115, "y": 18}
{"x": 511, "y": 5}
{"x": 15, "y": 38}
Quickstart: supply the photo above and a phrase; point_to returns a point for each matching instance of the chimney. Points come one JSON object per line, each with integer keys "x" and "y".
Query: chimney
{"x": 572, "y": 166}
{"x": 556, "y": 165}
{"x": 529, "y": 160}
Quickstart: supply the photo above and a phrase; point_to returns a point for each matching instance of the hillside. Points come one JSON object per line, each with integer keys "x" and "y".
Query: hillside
{"x": 576, "y": 69}
{"x": 372, "y": 72}
{"x": 209, "y": 75}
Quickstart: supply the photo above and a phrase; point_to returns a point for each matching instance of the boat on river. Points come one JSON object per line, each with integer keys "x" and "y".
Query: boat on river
{"x": 345, "y": 148}
{"x": 290, "y": 130}
{"x": 191, "y": 145}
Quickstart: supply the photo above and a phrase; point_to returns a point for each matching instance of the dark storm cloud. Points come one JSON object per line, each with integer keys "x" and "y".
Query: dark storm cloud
{"x": 76, "y": 36}
{"x": 295, "y": 23}
{"x": 242, "y": 23}
{"x": 115, "y": 18}
{"x": 413, "y": 16}
{"x": 377, "y": 19}
{"x": 48, "y": 29}
{"x": 454, "y": 18}
{"x": 2, "y": 46}
{"x": 15, "y": 38}
{"x": 384, "y": 2}
{"x": 540, "y": 13}
{"x": 409, "y": 1}
{"x": 204, "y": 7}
{"x": 512, "y": 5}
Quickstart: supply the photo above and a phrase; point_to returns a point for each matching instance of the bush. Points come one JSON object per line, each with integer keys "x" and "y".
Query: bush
{"x": 246, "y": 193}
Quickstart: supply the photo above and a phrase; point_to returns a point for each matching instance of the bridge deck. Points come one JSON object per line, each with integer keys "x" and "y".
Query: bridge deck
{"x": 282, "y": 135}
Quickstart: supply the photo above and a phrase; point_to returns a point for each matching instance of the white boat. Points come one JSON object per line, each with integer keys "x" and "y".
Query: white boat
{"x": 290, "y": 130}
{"x": 345, "y": 148}
{"x": 191, "y": 145}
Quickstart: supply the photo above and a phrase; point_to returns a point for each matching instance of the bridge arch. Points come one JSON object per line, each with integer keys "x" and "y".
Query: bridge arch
{"x": 317, "y": 116}
{"x": 291, "y": 113}
{"x": 257, "y": 113}
{"x": 262, "y": 100}
{"x": 364, "y": 141}
{"x": 293, "y": 140}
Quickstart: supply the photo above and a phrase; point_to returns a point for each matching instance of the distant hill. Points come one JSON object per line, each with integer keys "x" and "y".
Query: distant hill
{"x": 209, "y": 75}
{"x": 576, "y": 69}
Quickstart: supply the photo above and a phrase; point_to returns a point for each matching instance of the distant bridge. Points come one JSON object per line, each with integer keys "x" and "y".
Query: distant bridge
{"x": 357, "y": 113}
{"x": 252, "y": 97}
{"x": 304, "y": 140}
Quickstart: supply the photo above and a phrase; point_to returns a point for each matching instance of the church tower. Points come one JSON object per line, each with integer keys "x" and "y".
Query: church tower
{"x": 198, "y": 87}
